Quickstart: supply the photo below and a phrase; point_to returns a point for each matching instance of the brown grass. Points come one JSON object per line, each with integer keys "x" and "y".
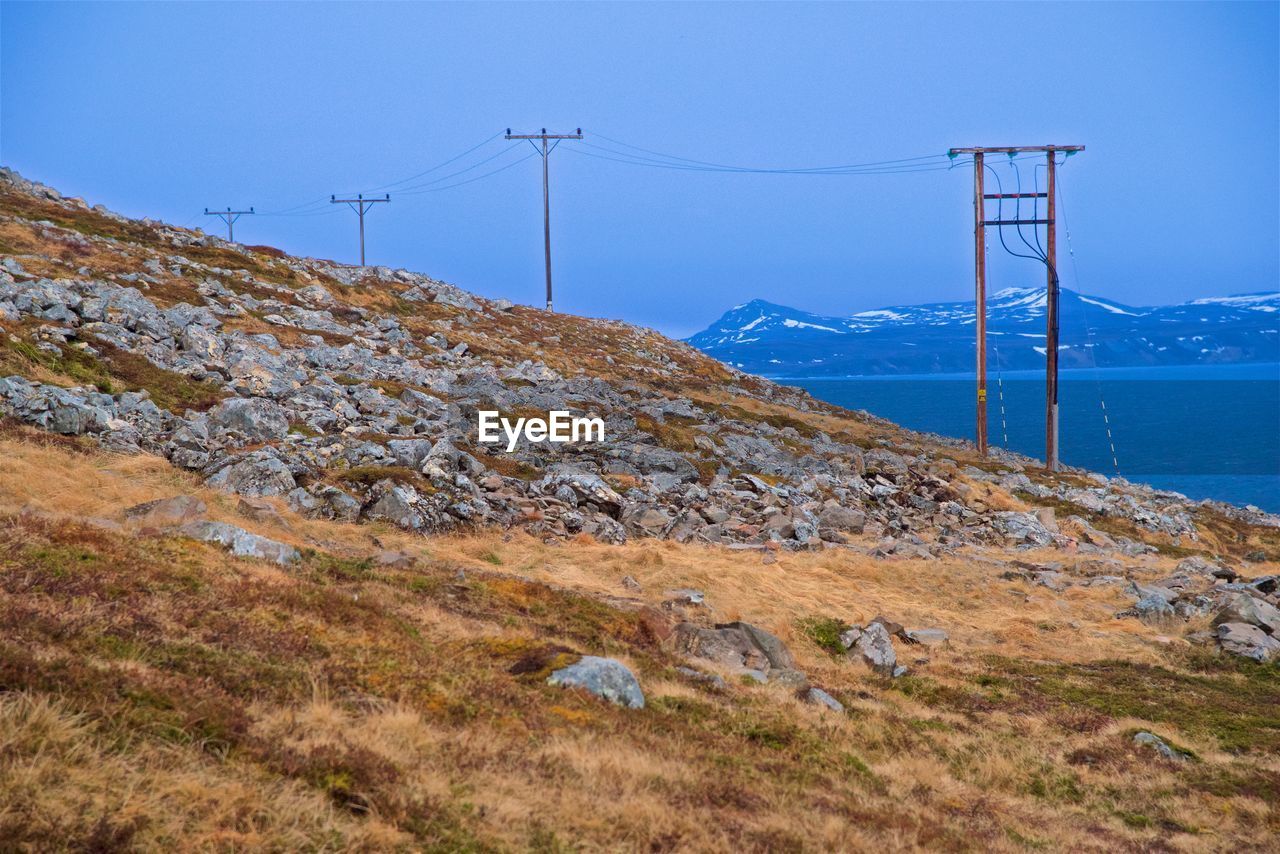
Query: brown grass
{"x": 152, "y": 690}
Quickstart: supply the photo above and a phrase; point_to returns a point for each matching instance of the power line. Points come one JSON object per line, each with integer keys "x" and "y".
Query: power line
{"x": 438, "y": 166}
{"x": 637, "y": 160}
{"x": 762, "y": 169}
{"x": 472, "y": 180}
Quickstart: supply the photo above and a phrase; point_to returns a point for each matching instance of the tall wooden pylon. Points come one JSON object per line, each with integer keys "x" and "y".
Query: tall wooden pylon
{"x": 980, "y": 222}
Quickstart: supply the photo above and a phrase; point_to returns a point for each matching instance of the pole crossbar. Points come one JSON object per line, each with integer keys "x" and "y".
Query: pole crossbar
{"x": 1014, "y": 195}
{"x": 1015, "y": 149}
{"x": 1018, "y": 222}
{"x": 229, "y": 217}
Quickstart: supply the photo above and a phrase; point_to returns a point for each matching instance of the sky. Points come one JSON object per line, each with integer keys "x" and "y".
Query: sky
{"x": 161, "y": 109}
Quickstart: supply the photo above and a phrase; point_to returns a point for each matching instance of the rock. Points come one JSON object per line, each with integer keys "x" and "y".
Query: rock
{"x": 927, "y": 637}
{"x": 1154, "y": 610}
{"x": 843, "y": 519}
{"x": 396, "y": 503}
{"x": 818, "y": 697}
{"x": 739, "y": 646}
{"x": 1022, "y": 528}
{"x": 604, "y": 677}
{"x": 1156, "y": 743}
{"x": 240, "y": 542}
{"x": 874, "y": 646}
{"x": 166, "y": 512}
{"x": 631, "y": 584}
{"x": 685, "y": 596}
{"x": 713, "y": 681}
{"x": 1243, "y": 608}
{"x": 254, "y": 418}
{"x": 257, "y": 474}
{"x": 1248, "y": 641}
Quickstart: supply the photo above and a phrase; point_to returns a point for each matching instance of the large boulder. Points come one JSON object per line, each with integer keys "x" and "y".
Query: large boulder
{"x": 1248, "y": 641}
{"x": 604, "y": 677}
{"x": 256, "y": 419}
{"x": 741, "y": 647}
{"x": 257, "y": 474}
{"x": 1243, "y": 608}
{"x": 873, "y": 646}
{"x": 397, "y": 504}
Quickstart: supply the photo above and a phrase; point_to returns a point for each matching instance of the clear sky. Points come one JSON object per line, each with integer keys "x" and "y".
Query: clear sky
{"x": 161, "y": 109}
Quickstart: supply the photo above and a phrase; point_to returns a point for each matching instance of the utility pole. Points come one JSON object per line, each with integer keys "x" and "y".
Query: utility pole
{"x": 229, "y": 217}
{"x": 360, "y": 205}
{"x": 546, "y": 191}
{"x": 980, "y": 198}
{"x": 980, "y": 296}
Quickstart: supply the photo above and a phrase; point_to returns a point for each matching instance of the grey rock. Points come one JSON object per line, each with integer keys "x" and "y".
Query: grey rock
{"x": 396, "y": 503}
{"x": 1158, "y": 744}
{"x": 257, "y": 474}
{"x": 1248, "y": 641}
{"x": 254, "y": 418}
{"x": 1243, "y": 608}
{"x": 604, "y": 677}
{"x": 713, "y": 681}
{"x": 875, "y": 647}
{"x": 739, "y": 646}
{"x": 240, "y": 542}
{"x": 818, "y": 697}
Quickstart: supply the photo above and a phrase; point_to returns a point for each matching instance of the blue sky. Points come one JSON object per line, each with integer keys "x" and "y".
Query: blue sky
{"x": 162, "y": 109}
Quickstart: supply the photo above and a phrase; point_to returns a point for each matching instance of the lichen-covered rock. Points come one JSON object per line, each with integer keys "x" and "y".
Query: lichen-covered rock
{"x": 604, "y": 677}
{"x": 254, "y": 418}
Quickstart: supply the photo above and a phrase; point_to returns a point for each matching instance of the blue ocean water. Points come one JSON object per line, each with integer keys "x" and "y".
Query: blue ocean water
{"x": 1209, "y": 431}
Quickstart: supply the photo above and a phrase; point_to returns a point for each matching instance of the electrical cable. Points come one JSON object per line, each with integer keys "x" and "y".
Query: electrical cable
{"x": 754, "y": 169}
{"x": 1088, "y": 328}
{"x": 472, "y": 180}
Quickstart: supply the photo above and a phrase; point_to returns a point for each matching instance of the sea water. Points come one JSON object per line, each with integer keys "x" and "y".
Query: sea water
{"x": 1209, "y": 431}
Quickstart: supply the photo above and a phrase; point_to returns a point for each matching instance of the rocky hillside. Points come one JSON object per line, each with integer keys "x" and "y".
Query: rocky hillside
{"x": 750, "y": 590}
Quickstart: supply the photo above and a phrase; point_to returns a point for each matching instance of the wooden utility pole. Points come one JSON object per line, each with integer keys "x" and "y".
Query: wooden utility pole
{"x": 546, "y": 190}
{"x": 980, "y": 198}
{"x": 229, "y": 217}
{"x": 1051, "y": 329}
{"x": 980, "y": 296}
{"x": 360, "y": 205}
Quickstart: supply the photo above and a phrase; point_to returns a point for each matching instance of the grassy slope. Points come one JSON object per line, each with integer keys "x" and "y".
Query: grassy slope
{"x": 155, "y": 690}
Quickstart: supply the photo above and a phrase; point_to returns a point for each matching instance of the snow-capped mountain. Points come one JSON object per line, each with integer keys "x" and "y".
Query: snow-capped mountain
{"x": 775, "y": 340}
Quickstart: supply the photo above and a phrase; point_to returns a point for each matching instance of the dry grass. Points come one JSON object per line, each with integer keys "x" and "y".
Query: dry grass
{"x": 153, "y": 691}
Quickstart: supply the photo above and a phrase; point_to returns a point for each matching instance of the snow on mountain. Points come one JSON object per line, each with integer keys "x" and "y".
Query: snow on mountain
{"x": 777, "y": 340}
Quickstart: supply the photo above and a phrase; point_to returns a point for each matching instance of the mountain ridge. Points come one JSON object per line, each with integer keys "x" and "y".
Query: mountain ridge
{"x": 768, "y": 338}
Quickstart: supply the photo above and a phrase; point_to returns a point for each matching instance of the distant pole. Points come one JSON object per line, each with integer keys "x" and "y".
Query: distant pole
{"x": 1051, "y": 324}
{"x": 1050, "y": 259}
{"x": 229, "y": 217}
{"x": 545, "y": 151}
{"x": 360, "y": 205}
{"x": 980, "y": 296}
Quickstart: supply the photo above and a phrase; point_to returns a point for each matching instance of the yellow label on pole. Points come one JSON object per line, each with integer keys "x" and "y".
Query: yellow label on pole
{"x": 982, "y": 395}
